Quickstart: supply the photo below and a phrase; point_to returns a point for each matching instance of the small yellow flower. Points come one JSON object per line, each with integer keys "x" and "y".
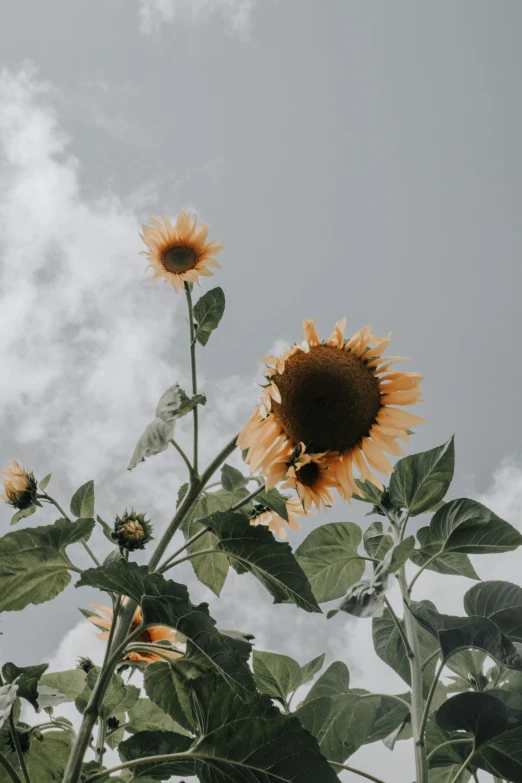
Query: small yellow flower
{"x": 275, "y": 523}
{"x": 180, "y": 253}
{"x": 20, "y": 486}
{"x": 150, "y": 635}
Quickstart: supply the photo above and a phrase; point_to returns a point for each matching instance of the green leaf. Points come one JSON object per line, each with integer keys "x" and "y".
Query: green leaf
{"x": 419, "y": 481}
{"x": 34, "y": 566}
{"x": 60, "y": 687}
{"x": 370, "y": 493}
{"x": 145, "y": 715}
{"x": 44, "y": 483}
{"x": 118, "y": 699}
{"x": 23, "y": 514}
{"x": 8, "y": 695}
{"x": 453, "y": 563}
{"x": 335, "y": 680}
{"x": 391, "y": 716}
{"x": 275, "y": 501}
{"x": 175, "y": 403}
{"x": 461, "y": 633}
{"x": 255, "y": 549}
{"x": 46, "y": 761}
{"x": 232, "y": 478}
{"x": 208, "y": 312}
{"x": 376, "y": 542}
{"x": 341, "y": 723}
{"x": 363, "y": 599}
{"x": 467, "y": 526}
{"x": 252, "y": 741}
{"x": 167, "y": 688}
{"x": 400, "y": 554}
{"x": 155, "y": 439}
{"x": 501, "y": 602}
{"x": 82, "y": 502}
{"x": 156, "y": 743}
{"x": 310, "y": 669}
{"x": 329, "y": 558}
{"x": 276, "y": 675}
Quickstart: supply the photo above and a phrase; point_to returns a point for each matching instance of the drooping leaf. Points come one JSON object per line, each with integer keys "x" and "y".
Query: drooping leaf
{"x": 335, "y": 680}
{"x": 255, "y": 549}
{"x": 469, "y": 527}
{"x": 453, "y": 563}
{"x": 27, "y": 678}
{"x": 252, "y": 741}
{"x": 310, "y": 669}
{"x": 8, "y": 695}
{"x": 361, "y": 600}
{"x": 155, "y": 439}
{"x": 376, "y": 541}
{"x": 400, "y": 554}
{"x": 419, "y": 481}
{"x": 501, "y": 602}
{"x": 275, "y": 501}
{"x": 329, "y": 558}
{"x": 276, "y": 675}
{"x": 461, "y": 633}
{"x": 232, "y": 478}
{"x": 34, "y": 566}
{"x": 208, "y": 312}
{"x": 145, "y": 715}
{"x": 167, "y": 688}
{"x": 23, "y": 514}
{"x": 82, "y": 502}
{"x": 175, "y": 403}
{"x": 156, "y": 743}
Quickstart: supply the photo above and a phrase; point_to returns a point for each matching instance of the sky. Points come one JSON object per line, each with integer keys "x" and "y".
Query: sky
{"x": 358, "y": 159}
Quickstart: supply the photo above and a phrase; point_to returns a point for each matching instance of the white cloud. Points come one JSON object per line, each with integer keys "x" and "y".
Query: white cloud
{"x": 237, "y": 14}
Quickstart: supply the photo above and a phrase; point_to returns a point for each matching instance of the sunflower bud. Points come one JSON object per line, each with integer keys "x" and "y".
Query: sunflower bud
{"x": 20, "y": 487}
{"x": 132, "y": 531}
{"x": 113, "y": 723}
{"x": 85, "y": 664}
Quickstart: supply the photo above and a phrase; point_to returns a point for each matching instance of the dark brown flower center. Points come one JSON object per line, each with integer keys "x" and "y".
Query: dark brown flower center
{"x": 308, "y": 474}
{"x": 179, "y": 258}
{"x": 145, "y": 637}
{"x": 330, "y": 399}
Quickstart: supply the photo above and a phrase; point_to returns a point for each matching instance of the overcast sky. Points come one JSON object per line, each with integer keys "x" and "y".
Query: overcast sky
{"x": 355, "y": 158}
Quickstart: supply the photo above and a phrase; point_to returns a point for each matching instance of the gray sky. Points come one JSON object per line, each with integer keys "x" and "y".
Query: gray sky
{"x": 358, "y": 159}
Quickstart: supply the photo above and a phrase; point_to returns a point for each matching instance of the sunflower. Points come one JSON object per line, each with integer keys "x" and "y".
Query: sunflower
{"x": 180, "y": 253}
{"x": 155, "y": 633}
{"x": 132, "y": 531}
{"x": 329, "y": 407}
{"x": 20, "y": 487}
{"x": 274, "y": 522}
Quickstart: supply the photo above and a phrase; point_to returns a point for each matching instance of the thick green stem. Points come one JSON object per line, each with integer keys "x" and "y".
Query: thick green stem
{"x": 6, "y": 764}
{"x": 100, "y": 742}
{"x": 356, "y": 772}
{"x": 18, "y": 749}
{"x": 194, "y": 372}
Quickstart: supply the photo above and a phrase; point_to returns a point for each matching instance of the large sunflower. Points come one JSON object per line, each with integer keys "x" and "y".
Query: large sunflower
{"x": 150, "y": 635}
{"x": 329, "y": 407}
{"x": 180, "y": 253}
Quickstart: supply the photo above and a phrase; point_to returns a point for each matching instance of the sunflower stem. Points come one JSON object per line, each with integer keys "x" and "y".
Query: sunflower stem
{"x": 248, "y": 498}
{"x": 100, "y": 742}
{"x": 6, "y": 764}
{"x": 356, "y": 771}
{"x": 188, "y": 294}
{"x": 18, "y": 748}
{"x": 200, "y": 552}
{"x": 83, "y": 542}
{"x": 429, "y": 698}
{"x": 463, "y": 767}
{"x": 421, "y": 569}
{"x": 183, "y": 456}
{"x": 447, "y": 744}
{"x": 399, "y": 626}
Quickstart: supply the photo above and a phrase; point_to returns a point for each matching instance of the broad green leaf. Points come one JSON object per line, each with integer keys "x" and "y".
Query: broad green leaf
{"x": 8, "y": 695}
{"x": 341, "y": 723}
{"x": 252, "y": 741}
{"x": 167, "y": 688}
{"x": 232, "y": 478}
{"x": 329, "y": 558}
{"x": 335, "y": 680}
{"x": 46, "y": 761}
{"x": 468, "y": 662}
{"x": 34, "y": 566}
{"x": 419, "y": 481}
{"x": 453, "y": 563}
{"x": 461, "y": 633}
{"x": 400, "y": 554}
{"x": 391, "y": 716}
{"x": 310, "y": 669}
{"x": 27, "y": 680}
{"x": 145, "y": 715}
{"x": 174, "y": 404}
{"x": 156, "y": 743}
{"x": 23, "y": 514}
{"x": 255, "y": 549}
{"x": 118, "y": 699}
{"x": 390, "y": 648}
{"x": 239, "y": 641}
{"x": 82, "y": 502}
{"x": 44, "y": 483}
{"x": 155, "y": 439}
{"x": 275, "y": 501}
{"x": 467, "y": 526}
{"x": 370, "y": 493}
{"x": 376, "y": 541}
{"x": 501, "y": 602}
{"x": 447, "y": 774}
{"x": 208, "y": 312}
{"x": 509, "y": 690}
{"x": 276, "y": 675}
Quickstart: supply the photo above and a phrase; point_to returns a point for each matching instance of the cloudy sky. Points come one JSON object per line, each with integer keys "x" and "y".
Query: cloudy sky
{"x": 358, "y": 159}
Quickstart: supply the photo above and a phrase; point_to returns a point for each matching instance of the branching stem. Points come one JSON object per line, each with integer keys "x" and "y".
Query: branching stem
{"x": 194, "y": 372}
{"x": 6, "y": 764}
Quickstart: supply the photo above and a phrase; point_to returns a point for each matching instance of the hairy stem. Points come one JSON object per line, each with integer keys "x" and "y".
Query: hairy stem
{"x": 194, "y": 372}
{"x": 18, "y": 749}
{"x": 6, "y": 764}
{"x": 356, "y": 772}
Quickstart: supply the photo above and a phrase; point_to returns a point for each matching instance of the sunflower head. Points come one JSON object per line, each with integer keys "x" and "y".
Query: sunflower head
{"x": 180, "y": 253}
{"x": 329, "y": 407}
{"x": 20, "y": 487}
{"x": 132, "y": 531}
